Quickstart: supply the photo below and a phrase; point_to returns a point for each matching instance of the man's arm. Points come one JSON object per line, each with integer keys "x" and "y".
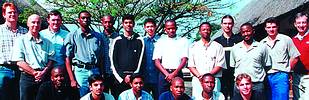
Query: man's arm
{"x": 293, "y": 62}
{"x": 26, "y": 68}
{"x": 160, "y": 67}
{"x": 175, "y": 73}
{"x": 70, "y": 72}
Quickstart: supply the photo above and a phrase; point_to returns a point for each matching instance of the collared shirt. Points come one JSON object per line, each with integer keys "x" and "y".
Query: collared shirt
{"x": 227, "y": 44}
{"x": 108, "y": 41}
{"x": 300, "y": 37}
{"x": 150, "y": 71}
{"x": 7, "y": 40}
{"x": 251, "y": 61}
{"x": 215, "y": 96}
{"x": 303, "y": 47}
{"x": 106, "y": 96}
{"x": 171, "y": 51}
{"x": 127, "y": 55}
{"x": 281, "y": 51}
{"x": 129, "y": 95}
{"x": 84, "y": 49}
{"x": 36, "y": 53}
{"x": 206, "y": 56}
{"x": 57, "y": 40}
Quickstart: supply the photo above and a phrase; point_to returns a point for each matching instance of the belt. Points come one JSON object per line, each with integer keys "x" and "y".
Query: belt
{"x": 85, "y": 66}
{"x": 170, "y": 70}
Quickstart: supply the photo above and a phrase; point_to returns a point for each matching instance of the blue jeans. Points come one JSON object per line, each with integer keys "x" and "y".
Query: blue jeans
{"x": 8, "y": 84}
{"x": 295, "y": 86}
{"x": 81, "y": 76}
{"x": 279, "y": 84}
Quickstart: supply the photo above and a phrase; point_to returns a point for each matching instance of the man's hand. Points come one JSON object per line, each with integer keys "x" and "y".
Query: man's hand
{"x": 169, "y": 77}
{"x": 127, "y": 79}
{"x": 74, "y": 84}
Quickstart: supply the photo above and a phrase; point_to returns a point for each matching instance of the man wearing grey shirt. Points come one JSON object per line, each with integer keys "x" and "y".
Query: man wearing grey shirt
{"x": 84, "y": 53}
{"x": 250, "y": 57}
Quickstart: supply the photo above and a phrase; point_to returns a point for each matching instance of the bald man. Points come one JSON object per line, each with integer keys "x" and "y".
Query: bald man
{"x": 176, "y": 92}
{"x": 33, "y": 55}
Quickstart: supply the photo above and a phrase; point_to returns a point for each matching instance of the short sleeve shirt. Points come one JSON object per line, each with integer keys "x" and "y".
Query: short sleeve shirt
{"x": 36, "y": 54}
{"x": 129, "y": 95}
{"x": 171, "y": 51}
{"x": 281, "y": 52}
{"x": 206, "y": 57}
{"x": 251, "y": 61}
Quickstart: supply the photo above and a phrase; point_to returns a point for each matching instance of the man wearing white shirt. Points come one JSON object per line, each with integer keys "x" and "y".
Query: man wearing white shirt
{"x": 170, "y": 55}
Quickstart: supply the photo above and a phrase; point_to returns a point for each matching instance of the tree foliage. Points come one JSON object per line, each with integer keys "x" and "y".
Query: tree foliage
{"x": 188, "y": 13}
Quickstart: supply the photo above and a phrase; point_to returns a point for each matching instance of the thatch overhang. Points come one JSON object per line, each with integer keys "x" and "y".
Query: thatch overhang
{"x": 258, "y": 11}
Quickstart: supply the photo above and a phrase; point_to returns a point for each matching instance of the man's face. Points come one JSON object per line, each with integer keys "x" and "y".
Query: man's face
{"x": 57, "y": 78}
{"x": 34, "y": 24}
{"x": 301, "y": 24}
{"x": 244, "y": 86}
{"x": 271, "y": 29}
{"x": 150, "y": 28}
{"x": 208, "y": 84}
{"x": 107, "y": 22}
{"x": 84, "y": 19}
{"x": 54, "y": 22}
{"x": 246, "y": 32}
{"x": 10, "y": 14}
{"x": 128, "y": 25}
{"x": 170, "y": 29}
{"x": 137, "y": 85}
{"x": 227, "y": 25}
{"x": 205, "y": 31}
{"x": 97, "y": 87}
{"x": 177, "y": 88}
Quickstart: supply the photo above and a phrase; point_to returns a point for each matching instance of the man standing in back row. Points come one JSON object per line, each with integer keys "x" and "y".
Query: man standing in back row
{"x": 84, "y": 53}
{"x": 9, "y": 32}
{"x": 170, "y": 55}
{"x": 227, "y": 40}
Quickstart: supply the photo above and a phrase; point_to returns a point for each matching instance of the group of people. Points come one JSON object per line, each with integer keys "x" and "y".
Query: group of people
{"x": 54, "y": 64}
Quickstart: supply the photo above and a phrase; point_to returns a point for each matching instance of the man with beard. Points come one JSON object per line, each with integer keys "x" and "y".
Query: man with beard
{"x": 56, "y": 89}
{"x": 205, "y": 56}
{"x": 136, "y": 92}
{"x": 208, "y": 84}
{"x": 252, "y": 58}
{"x": 96, "y": 87}
{"x": 176, "y": 92}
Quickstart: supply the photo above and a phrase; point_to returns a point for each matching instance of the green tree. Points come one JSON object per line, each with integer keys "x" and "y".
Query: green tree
{"x": 188, "y": 13}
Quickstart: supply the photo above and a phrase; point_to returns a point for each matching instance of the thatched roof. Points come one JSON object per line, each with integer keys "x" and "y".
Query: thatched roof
{"x": 259, "y": 10}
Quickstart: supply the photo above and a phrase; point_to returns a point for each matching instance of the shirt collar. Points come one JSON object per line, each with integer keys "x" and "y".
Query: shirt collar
{"x": 202, "y": 43}
{"x": 31, "y": 38}
{"x": 155, "y": 38}
{"x": 299, "y": 37}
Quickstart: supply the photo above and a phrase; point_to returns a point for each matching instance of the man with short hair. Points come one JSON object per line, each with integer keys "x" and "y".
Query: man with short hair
{"x": 176, "y": 92}
{"x": 34, "y": 56}
{"x": 56, "y": 89}
{"x": 170, "y": 55}
{"x": 252, "y": 58}
{"x": 150, "y": 72}
{"x": 109, "y": 34}
{"x": 208, "y": 93}
{"x": 301, "y": 70}
{"x": 56, "y": 36}
{"x": 127, "y": 55}
{"x": 136, "y": 92}
{"x": 227, "y": 40}
{"x": 96, "y": 86}
{"x": 84, "y": 53}
{"x": 284, "y": 57}
{"x": 205, "y": 56}
{"x": 9, "y": 32}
